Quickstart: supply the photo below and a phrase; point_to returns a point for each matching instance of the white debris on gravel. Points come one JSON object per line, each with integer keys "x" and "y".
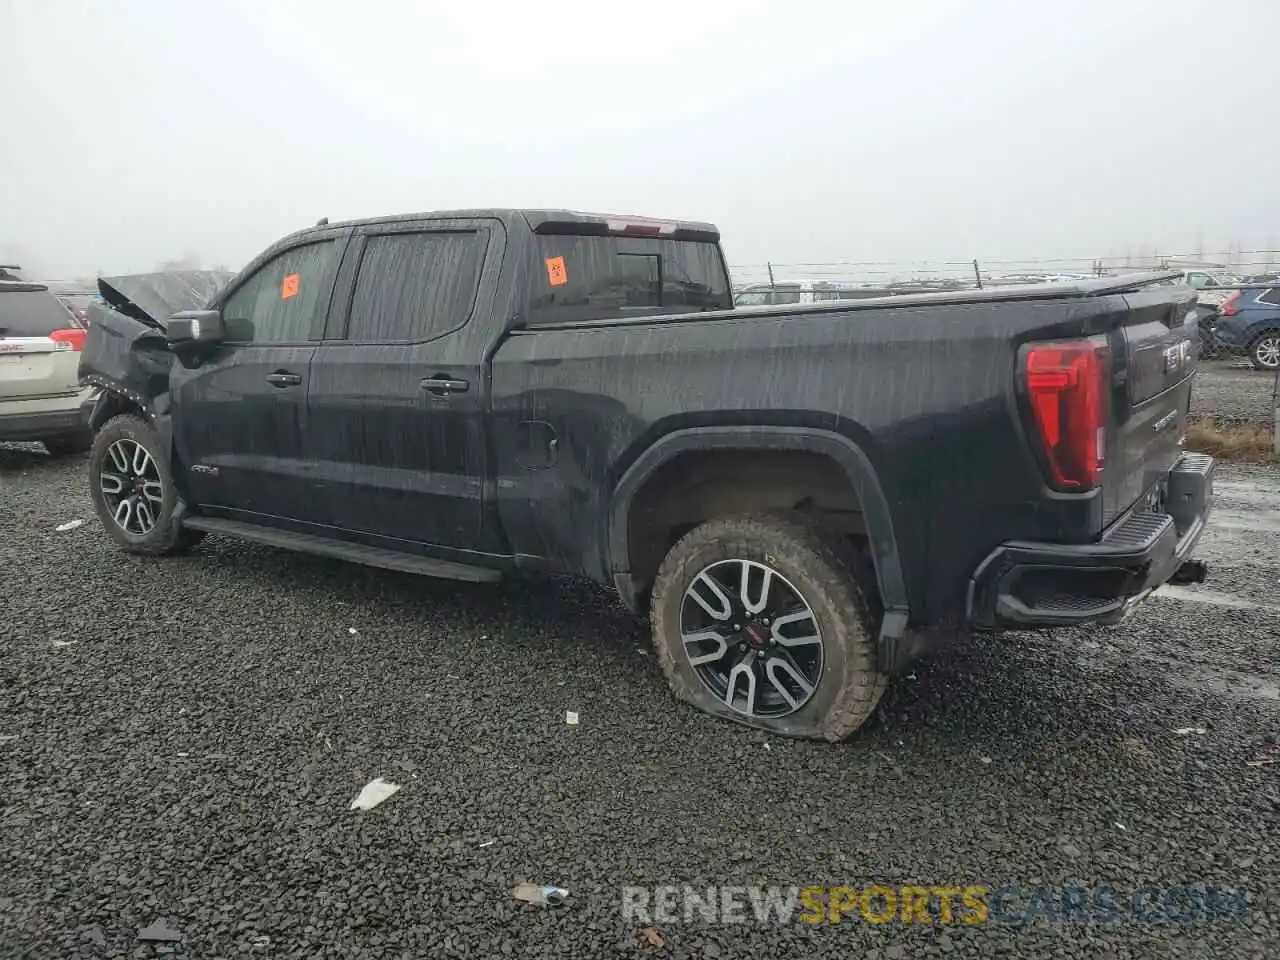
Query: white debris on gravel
{"x": 69, "y": 525}
{"x": 374, "y": 792}
{"x": 1187, "y": 731}
{"x": 571, "y": 718}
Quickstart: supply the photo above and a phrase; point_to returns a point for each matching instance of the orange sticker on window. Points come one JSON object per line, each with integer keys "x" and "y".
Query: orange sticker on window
{"x": 557, "y": 275}
{"x": 290, "y": 287}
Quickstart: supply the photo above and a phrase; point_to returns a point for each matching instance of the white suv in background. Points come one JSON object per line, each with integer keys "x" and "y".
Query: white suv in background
{"x": 40, "y": 393}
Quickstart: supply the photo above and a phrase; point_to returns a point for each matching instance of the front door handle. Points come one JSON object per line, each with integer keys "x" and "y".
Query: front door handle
{"x": 443, "y": 385}
{"x": 282, "y": 379}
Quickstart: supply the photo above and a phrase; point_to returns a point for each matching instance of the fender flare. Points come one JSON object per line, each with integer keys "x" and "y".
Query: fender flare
{"x": 847, "y": 454}
{"x": 116, "y": 398}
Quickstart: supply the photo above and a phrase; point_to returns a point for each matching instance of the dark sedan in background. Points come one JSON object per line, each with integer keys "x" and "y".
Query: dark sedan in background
{"x": 1248, "y": 323}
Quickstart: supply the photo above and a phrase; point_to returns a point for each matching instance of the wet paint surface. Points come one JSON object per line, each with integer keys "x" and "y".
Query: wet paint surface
{"x": 485, "y": 442}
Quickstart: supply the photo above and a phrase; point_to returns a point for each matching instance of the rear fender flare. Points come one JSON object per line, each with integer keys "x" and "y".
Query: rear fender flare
{"x": 851, "y": 458}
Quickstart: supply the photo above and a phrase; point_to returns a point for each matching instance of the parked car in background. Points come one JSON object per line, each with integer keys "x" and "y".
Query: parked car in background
{"x": 75, "y": 295}
{"x": 1248, "y": 323}
{"x": 40, "y": 393}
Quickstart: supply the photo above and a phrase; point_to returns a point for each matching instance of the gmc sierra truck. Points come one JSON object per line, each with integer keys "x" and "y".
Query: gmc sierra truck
{"x": 802, "y": 498}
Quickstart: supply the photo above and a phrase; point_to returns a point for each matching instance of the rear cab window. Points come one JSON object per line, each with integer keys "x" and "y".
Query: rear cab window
{"x": 579, "y": 277}
{"x": 32, "y": 312}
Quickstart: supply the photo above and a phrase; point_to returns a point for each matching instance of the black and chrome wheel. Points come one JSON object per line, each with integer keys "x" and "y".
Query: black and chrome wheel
{"x": 132, "y": 488}
{"x": 1264, "y": 353}
{"x": 760, "y": 620}
{"x": 129, "y": 480}
{"x": 751, "y": 637}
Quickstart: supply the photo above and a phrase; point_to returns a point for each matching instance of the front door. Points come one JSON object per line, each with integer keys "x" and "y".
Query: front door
{"x": 240, "y": 418}
{"x": 396, "y": 403}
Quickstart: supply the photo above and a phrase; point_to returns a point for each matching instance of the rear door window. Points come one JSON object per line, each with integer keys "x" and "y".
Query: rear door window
{"x": 592, "y": 278}
{"x": 33, "y": 313}
{"x": 415, "y": 286}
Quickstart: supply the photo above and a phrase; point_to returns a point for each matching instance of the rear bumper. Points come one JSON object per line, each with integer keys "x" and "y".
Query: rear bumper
{"x": 34, "y": 419}
{"x": 1025, "y": 584}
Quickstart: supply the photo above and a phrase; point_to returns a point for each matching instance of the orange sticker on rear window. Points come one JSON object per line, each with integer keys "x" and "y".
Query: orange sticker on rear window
{"x": 290, "y": 287}
{"x": 557, "y": 275}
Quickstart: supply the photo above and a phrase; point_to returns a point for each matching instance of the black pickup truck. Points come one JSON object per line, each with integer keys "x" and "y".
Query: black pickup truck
{"x": 803, "y": 498}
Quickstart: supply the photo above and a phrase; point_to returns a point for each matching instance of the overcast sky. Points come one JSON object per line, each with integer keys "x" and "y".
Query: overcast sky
{"x": 136, "y": 130}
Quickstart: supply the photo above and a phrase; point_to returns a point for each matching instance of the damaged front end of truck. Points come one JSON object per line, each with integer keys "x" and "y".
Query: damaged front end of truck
{"x": 126, "y": 354}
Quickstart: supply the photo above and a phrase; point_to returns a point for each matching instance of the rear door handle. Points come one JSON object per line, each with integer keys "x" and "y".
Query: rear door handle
{"x": 282, "y": 379}
{"x": 443, "y": 385}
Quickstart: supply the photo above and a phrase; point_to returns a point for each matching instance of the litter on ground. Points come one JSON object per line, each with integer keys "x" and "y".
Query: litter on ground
{"x": 374, "y": 792}
{"x": 539, "y": 893}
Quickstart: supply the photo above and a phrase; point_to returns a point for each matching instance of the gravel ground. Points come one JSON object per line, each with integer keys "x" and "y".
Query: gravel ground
{"x": 181, "y": 739}
{"x": 1228, "y": 392}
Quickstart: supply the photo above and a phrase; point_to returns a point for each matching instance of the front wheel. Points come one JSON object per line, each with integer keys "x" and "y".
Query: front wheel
{"x": 1264, "y": 354}
{"x": 132, "y": 488}
{"x": 758, "y": 619}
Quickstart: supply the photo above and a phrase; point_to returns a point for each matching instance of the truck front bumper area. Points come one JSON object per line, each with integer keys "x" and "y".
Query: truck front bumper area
{"x": 1024, "y": 585}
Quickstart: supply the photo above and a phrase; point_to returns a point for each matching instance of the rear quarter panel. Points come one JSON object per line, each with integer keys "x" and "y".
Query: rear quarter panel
{"x": 925, "y": 391}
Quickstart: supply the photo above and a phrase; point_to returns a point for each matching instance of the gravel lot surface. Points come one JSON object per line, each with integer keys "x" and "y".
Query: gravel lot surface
{"x": 180, "y": 740}
{"x": 1227, "y": 392}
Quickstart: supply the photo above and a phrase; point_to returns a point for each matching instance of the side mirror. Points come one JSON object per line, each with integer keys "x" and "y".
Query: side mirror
{"x": 194, "y": 328}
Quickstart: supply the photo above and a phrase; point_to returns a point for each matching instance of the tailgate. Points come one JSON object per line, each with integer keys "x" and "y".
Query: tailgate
{"x": 1154, "y": 353}
{"x": 32, "y": 367}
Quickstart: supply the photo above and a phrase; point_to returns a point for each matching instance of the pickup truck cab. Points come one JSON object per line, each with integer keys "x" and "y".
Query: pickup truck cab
{"x": 801, "y": 497}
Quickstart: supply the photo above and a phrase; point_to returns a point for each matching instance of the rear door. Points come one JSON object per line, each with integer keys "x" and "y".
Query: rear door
{"x": 240, "y": 418}
{"x": 1154, "y": 371}
{"x": 39, "y": 344}
{"x": 396, "y": 405}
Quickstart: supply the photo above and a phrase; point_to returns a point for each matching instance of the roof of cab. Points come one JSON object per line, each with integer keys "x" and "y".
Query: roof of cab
{"x": 537, "y": 220}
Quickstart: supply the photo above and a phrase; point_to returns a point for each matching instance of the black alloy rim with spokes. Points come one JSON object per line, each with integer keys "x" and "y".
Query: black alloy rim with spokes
{"x": 131, "y": 487}
{"x": 752, "y": 638}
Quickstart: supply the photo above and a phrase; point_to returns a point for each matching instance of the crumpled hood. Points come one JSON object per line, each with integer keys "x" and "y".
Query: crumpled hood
{"x": 157, "y": 296}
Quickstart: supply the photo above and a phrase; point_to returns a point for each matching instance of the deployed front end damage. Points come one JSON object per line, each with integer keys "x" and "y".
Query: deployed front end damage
{"x": 126, "y": 354}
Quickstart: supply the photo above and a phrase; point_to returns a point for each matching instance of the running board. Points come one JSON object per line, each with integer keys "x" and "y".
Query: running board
{"x": 341, "y": 550}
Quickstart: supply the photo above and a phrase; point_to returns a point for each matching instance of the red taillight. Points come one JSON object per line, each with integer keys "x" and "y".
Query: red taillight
{"x": 72, "y": 337}
{"x": 1228, "y": 307}
{"x": 1067, "y": 390}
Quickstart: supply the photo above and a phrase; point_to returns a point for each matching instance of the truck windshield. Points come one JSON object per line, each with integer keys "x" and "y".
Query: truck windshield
{"x": 594, "y": 278}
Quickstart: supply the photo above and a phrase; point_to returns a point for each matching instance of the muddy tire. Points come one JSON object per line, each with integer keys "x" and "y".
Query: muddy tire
{"x": 133, "y": 491}
{"x": 762, "y": 620}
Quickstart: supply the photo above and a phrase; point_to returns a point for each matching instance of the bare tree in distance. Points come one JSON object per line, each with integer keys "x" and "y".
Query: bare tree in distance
{"x": 190, "y": 260}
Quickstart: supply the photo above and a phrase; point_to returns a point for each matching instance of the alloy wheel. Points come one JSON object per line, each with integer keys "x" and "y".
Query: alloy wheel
{"x": 131, "y": 486}
{"x": 1267, "y": 351}
{"x": 752, "y": 638}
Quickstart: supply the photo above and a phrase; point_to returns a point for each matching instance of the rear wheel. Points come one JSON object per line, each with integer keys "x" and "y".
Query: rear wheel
{"x": 1264, "y": 353}
{"x": 132, "y": 489}
{"x": 761, "y": 620}
{"x": 68, "y": 443}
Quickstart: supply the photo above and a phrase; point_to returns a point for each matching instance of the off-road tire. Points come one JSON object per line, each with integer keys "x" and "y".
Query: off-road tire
{"x": 167, "y": 536}
{"x": 66, "y": 444}
{"x": 824, "y": 573}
